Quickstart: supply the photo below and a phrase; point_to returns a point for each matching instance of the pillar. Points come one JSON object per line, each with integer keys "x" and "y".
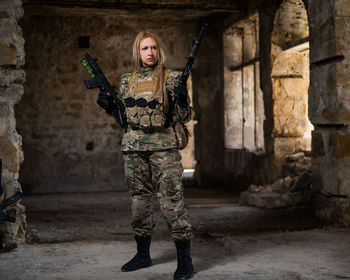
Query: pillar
{"x": 329, "y": 107}
{"x": 11, "y": 90}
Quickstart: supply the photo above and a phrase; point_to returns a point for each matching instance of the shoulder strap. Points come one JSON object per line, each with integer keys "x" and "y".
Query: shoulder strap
{"x": 166, "y": 74}
{"x": 131, "y": 79}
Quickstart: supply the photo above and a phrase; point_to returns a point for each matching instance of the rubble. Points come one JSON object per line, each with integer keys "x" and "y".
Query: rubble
{"x": 294, "y": 188}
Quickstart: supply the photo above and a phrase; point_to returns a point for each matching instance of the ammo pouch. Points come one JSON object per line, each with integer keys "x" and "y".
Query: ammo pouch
{"x": 144, "y": 115}
{"x": 182, "y": 134}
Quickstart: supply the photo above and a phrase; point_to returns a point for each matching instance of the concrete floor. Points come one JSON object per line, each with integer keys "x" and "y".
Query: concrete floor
{"x": 88, "y": 236}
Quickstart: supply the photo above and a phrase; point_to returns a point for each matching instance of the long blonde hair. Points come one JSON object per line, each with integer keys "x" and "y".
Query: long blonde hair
{"x": 159, "y": 89}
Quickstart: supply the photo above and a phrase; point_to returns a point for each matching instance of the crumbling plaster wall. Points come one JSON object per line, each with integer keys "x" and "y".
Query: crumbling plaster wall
{"x": 11, "y": 90}
{"x": 70, "y": 144}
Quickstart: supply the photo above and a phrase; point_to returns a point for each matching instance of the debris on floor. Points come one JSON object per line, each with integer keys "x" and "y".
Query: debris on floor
{"x": 294, "y": 188}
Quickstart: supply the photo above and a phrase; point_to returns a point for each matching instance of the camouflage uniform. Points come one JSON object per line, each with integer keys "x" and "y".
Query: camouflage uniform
{"x": 153, "y": 163}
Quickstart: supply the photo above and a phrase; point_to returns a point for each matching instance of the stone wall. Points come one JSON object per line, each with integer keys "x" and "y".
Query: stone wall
{"x": 70, "y": 143}
{"x": 283, "y": 78}
{"x": 244, "y": 167}
{"x": 329, "y": 107}
{"x": 11, "y": 90}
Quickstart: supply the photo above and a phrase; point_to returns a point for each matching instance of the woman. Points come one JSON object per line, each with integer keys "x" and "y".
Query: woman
{"x": 152, "y": 161}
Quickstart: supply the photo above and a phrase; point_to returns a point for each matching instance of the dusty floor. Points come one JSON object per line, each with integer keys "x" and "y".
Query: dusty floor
{"x": 88, "y": 236}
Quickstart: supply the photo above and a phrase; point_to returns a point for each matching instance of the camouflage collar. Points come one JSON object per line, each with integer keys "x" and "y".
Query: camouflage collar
{"x": 145, "y": 70}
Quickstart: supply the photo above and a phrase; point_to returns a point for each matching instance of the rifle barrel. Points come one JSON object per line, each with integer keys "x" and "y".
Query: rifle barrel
{"x": 195, "y": 47}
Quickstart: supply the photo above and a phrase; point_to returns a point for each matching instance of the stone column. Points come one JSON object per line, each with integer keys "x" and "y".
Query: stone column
{"x": 329, "y": 107}
{"x": 11, "y": 90}
{"x": 290, "y": 83}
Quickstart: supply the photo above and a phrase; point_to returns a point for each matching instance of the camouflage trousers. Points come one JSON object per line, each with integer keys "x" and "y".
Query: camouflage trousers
{"x": 157, "y": 172}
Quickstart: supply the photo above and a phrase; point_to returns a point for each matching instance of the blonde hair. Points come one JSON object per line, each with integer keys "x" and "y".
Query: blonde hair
{"x": 159, "y": 89}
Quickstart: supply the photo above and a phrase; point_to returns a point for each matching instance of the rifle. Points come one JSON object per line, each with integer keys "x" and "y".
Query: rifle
{"x": 99, "y": 80}
{"x": 4, "y": 204}
{"x": 195, "y": 47}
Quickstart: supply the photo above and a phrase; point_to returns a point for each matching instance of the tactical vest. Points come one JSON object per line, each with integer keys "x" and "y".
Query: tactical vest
{"x": 143, "y": 114}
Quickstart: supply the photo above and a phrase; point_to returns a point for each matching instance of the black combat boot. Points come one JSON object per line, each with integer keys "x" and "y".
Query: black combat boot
{"x": 184, "y": 268}
{"x": 142, "y": 258}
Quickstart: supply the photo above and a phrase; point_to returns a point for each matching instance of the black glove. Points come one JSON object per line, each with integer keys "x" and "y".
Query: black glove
{"x": 106, "y": 102}
{"x": 181, "y": 94}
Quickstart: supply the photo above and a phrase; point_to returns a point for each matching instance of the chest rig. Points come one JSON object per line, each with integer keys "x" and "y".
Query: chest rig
{"x": 142, "y": 111}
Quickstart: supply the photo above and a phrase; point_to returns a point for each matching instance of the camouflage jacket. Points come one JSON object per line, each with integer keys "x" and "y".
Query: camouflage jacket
{"x": 140, "y": 140}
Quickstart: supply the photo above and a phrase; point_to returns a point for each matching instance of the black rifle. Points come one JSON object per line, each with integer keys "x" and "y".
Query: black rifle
{"x": 99, "y": 80}
{"x": 195, "y": 47}
{"x": 4, "y": 204}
